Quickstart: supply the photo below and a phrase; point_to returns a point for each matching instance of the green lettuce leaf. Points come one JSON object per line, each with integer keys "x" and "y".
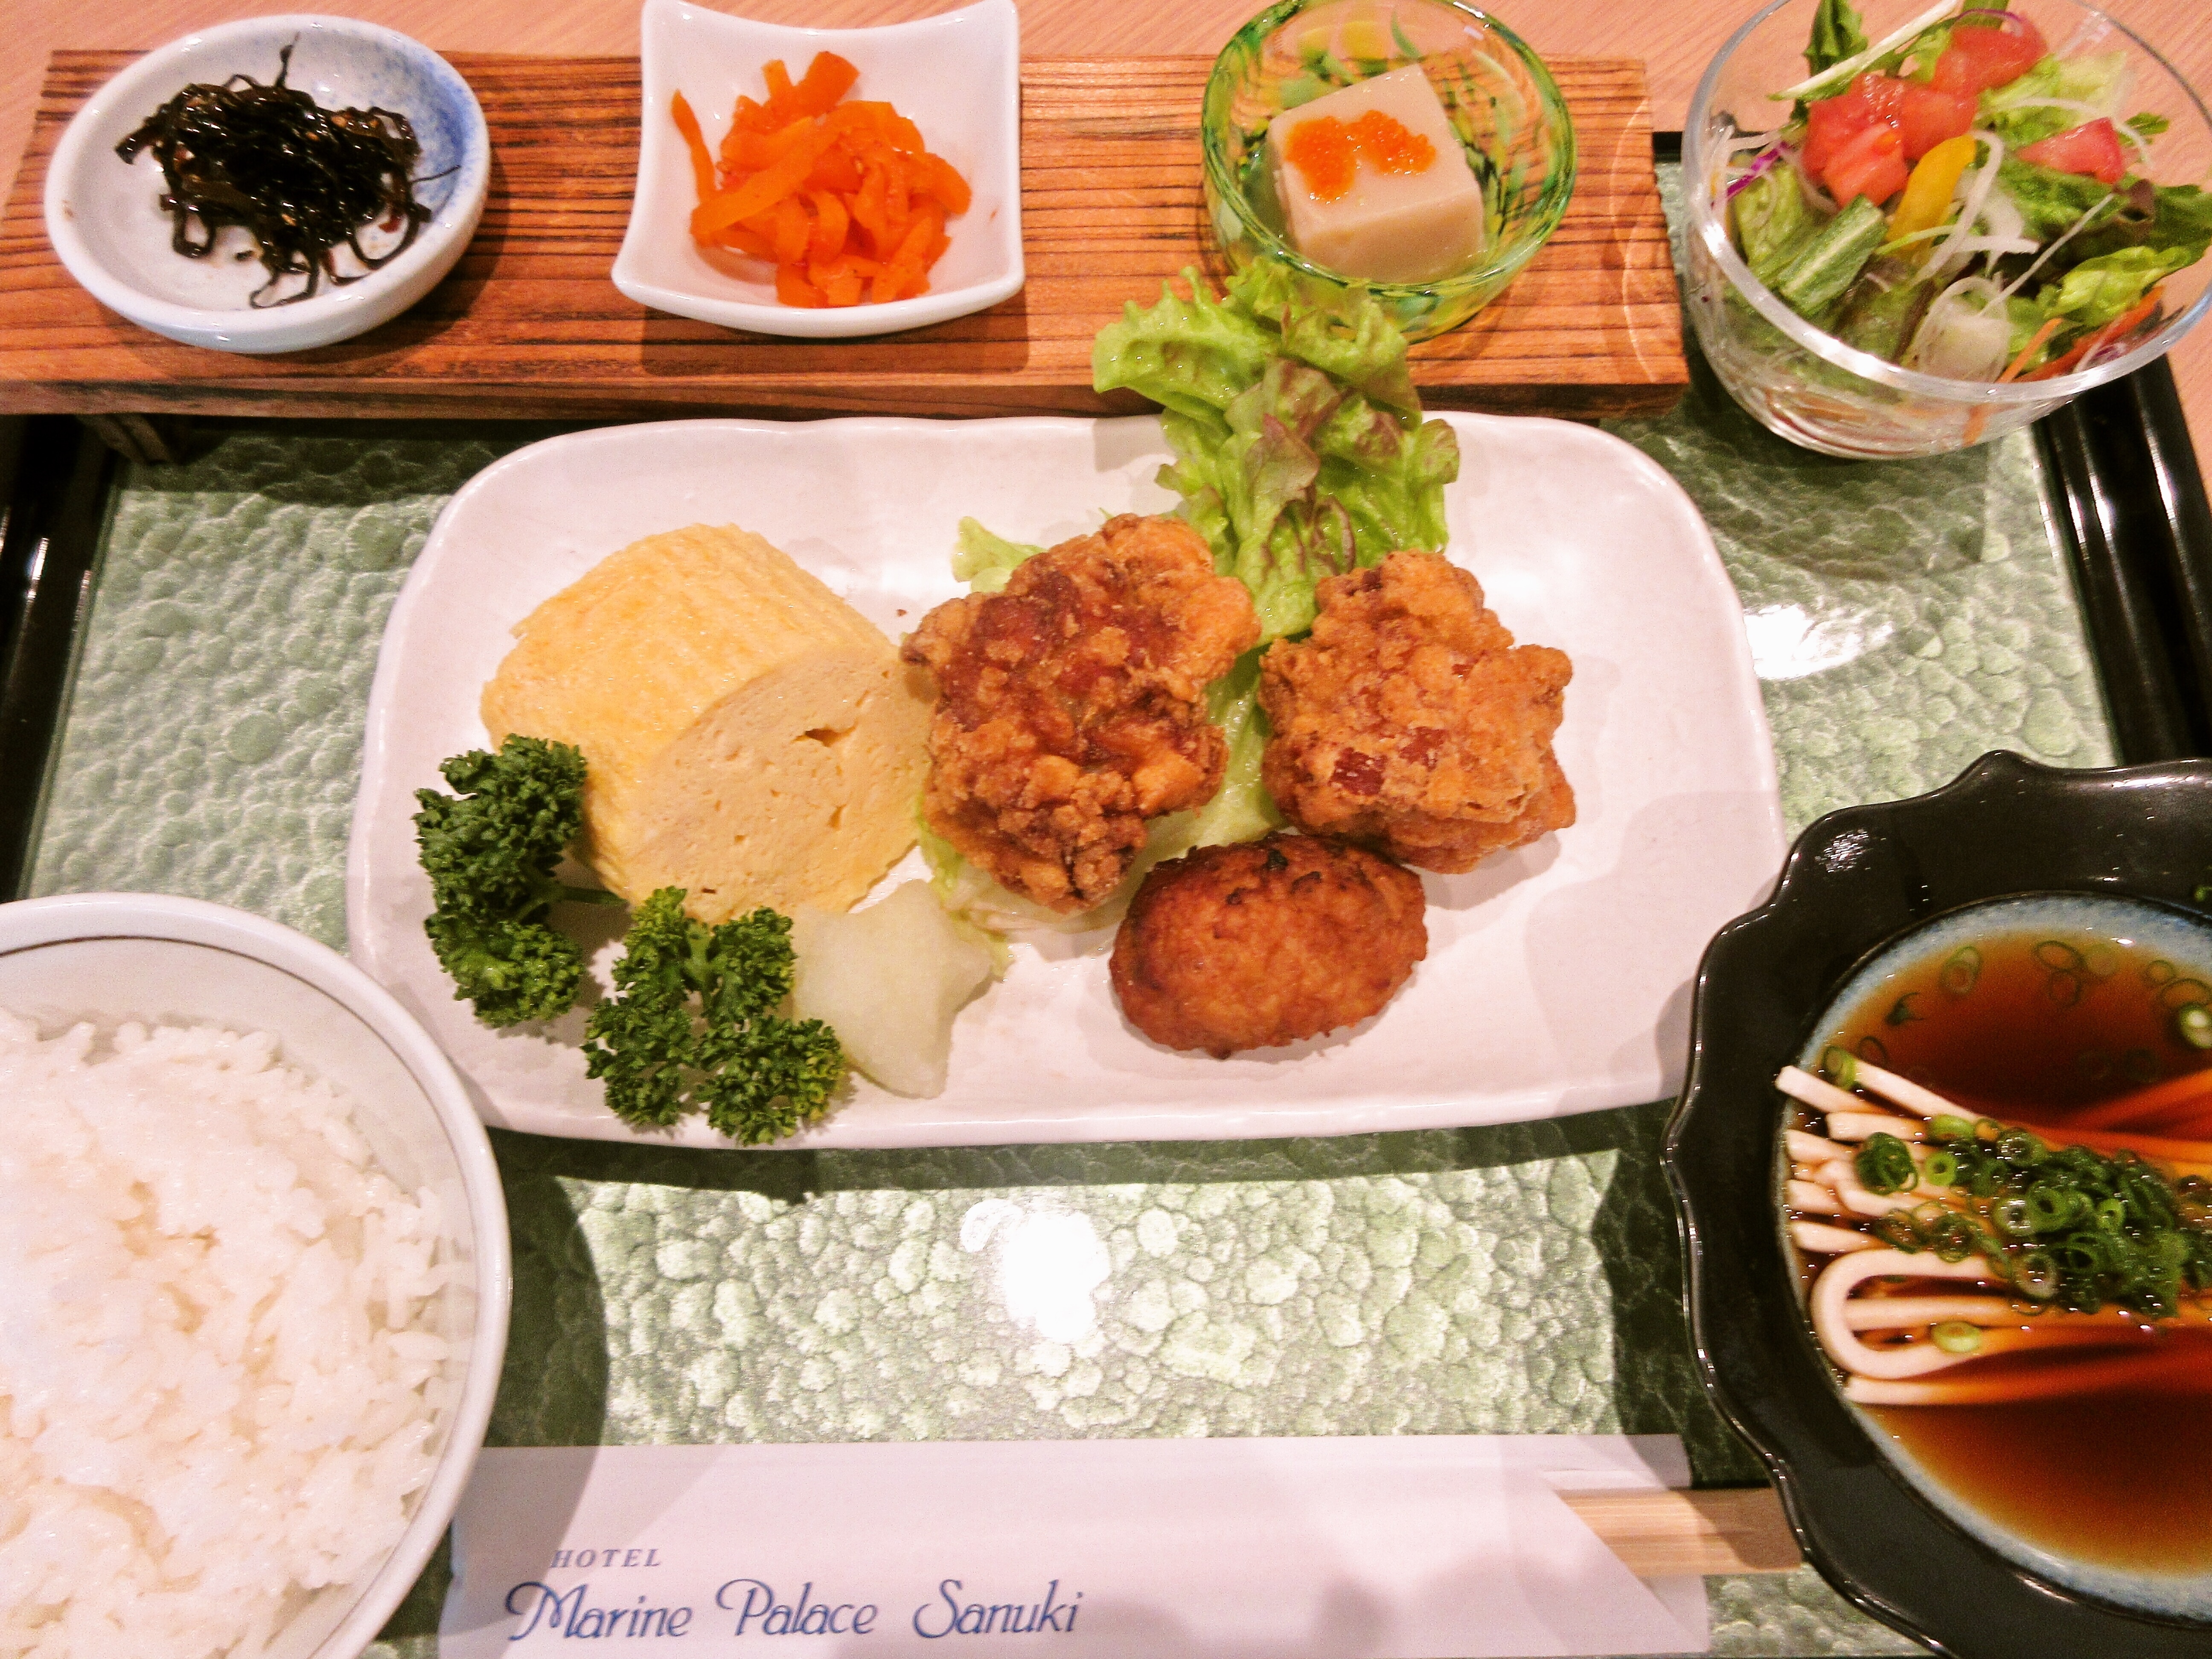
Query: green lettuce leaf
{"x": 1337, "y": 330}
{"x": 2094, "y": 292}
{"x": 984, "y": 561}
{"x": 2023, "y": 111}
{"x": 1837, "y": 35}
{"x": 2097, "y": 291}
{"x": 2050, "y": 203}
{"x": 1191, "y": 355}
{"x": 1307, "y": 461}
{"x": 1243, "y": 809}
{"x": 2138, "y": 214}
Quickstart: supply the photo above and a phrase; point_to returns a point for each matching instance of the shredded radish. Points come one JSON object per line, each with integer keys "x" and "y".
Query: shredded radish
{"x": 2001, "y": 217}
{"x": 1964, "y": 335}
{"x": 1940, "y": 263}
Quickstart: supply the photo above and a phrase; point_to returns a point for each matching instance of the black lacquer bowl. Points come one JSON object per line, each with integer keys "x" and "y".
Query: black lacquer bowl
{"x": 1855, "y": 880}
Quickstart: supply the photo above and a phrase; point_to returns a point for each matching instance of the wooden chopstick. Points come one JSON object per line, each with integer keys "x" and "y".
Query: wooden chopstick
{"x": 1660, "y": 1535}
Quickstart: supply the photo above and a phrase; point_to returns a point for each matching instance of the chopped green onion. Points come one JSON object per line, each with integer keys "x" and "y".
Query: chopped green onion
{"x": 2184, "y": 994}
{"x": 1899, "y": 1232}
{"x": 2037, "y": 1276}
{"x": 2068, "y": 1228}
{"x": 2193, "y": 1025}
{"x": 2051, "y": 1207}
{"x": 1961, "y": 969}
{"x": 1885, "y": 1165}
{"x": 1957, "y": 1336}
{"x": 1837, "y": 1065}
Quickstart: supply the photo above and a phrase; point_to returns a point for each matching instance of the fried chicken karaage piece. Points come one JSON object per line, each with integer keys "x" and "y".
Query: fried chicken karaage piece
{"x": 1408, "y": 721}
{"x": 1071, "y": 706}
{"x": 1260, "y": 943}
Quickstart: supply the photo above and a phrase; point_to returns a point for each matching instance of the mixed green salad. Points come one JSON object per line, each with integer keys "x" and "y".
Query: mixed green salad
{"x": 1959, "y": 200}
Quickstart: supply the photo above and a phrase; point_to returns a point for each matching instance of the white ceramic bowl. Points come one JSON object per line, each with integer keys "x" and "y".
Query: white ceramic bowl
{"x": 956, "y": 77}
{"x": 105, "y": 221}
{"x": 111, "y": 956}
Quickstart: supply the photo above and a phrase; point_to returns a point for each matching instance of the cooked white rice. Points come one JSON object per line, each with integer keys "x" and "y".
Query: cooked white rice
{"x": 211, "y": 1399}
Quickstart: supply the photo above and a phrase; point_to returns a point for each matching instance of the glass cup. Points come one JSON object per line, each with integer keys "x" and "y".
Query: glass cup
{"x": 1499, "y": 98}
{"x": 1805, "y": 384}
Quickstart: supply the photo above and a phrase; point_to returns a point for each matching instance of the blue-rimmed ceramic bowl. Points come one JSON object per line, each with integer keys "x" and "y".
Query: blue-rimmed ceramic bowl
{"x": 105, "y": 217}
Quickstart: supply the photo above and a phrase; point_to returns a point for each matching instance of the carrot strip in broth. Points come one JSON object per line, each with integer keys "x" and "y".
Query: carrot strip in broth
{"x": 2191, "y": 1090}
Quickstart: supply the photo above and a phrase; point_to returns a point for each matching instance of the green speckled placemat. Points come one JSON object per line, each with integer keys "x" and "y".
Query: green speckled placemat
{"x": 1524, "y": 1278}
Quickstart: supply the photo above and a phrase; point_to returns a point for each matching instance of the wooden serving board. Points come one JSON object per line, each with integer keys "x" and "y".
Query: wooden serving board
{"x": 529, "y": 324}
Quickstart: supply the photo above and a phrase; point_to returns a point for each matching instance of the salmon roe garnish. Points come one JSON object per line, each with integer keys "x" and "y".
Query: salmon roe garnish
{"x": 1327, "y": 152}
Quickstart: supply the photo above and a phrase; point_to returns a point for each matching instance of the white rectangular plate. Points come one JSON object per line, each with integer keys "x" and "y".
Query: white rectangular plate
{"x": 1558, "y": 977}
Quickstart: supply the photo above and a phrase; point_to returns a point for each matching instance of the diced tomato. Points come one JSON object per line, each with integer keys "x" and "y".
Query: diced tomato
{"x": 1882, "y": 93}
{"x": 1829, "y": 123}
{"x": 1926, "y": 116}
{"x": 2093, "y": 148}
{"x": 1870, "y": 163}
{"x": 1980, "y": 57}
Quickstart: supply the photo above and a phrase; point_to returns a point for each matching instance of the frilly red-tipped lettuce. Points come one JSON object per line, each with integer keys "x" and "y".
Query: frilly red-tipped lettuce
{"x": 1300, "y": 449}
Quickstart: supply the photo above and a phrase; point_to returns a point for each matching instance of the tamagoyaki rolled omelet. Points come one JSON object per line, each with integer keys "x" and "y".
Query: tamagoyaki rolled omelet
{"x": 749, "y": 737}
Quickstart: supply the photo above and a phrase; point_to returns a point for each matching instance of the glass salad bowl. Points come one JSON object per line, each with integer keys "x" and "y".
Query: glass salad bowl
{"x": 1498, "y": 96}
{"x": 1802, "y": 381}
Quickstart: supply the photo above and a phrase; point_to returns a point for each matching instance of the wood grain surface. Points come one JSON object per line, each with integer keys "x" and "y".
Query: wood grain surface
{"x": 530, "y": 324}
{"x": 1661, "y": 1534}
{"x": 1674, "y": 41}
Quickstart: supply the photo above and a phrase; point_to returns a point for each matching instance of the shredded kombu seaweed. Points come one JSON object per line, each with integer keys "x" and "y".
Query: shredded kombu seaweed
{"x": 302, "y": 180}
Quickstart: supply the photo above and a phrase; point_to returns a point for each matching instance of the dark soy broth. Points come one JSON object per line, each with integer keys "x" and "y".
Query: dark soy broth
{"x": 2032, "y": 1028}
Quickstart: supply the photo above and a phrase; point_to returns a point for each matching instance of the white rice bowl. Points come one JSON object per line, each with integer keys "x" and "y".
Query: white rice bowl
{"x": 244, "y": 1314}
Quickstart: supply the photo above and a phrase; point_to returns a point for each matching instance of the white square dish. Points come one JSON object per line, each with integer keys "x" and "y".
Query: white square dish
{"x": 1558, "y": 976}
{"x": 956, "y": 77}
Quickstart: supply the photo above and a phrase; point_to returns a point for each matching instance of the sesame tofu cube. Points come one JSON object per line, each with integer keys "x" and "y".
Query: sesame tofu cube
{"x": 1388, "y": 226}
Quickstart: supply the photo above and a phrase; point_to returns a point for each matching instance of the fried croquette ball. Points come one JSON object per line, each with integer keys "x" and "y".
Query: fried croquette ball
{"x": 1409, "y": 721}
{"x": 1071, "y": 707}
{"x": 1261, "y": 943}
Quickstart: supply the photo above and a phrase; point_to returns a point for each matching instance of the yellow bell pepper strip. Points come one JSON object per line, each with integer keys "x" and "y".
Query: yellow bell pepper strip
{"x": 1928, "y": 192}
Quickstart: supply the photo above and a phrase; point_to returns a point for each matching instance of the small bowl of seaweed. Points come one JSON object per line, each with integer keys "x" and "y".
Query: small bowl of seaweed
{"x": 271, "y": 185}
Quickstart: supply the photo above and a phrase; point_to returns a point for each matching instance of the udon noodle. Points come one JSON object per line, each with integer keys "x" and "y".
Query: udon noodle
{"x": 1947, "y": 1239}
